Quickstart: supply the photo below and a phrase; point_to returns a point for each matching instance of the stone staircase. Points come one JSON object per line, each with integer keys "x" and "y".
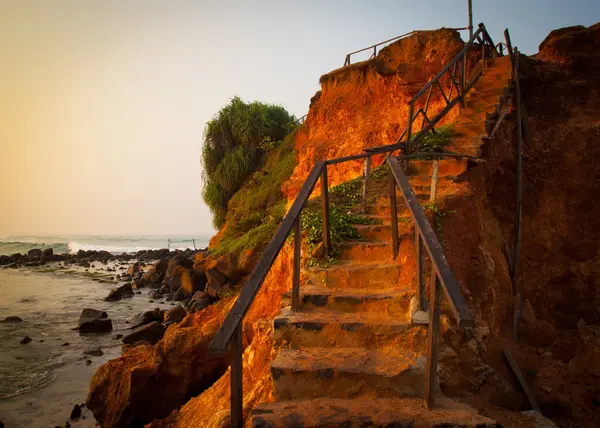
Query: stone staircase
{"x": 353, "y": 355}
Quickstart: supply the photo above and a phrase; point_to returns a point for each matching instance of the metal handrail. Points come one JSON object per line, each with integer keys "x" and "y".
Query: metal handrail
{"x": 393, "y": 39}
{"x": 442, "y": 278}
{"x": 462, "y": 88}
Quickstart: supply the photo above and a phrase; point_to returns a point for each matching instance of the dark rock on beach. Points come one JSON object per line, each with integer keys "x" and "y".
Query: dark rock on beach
{"x": 93, "y": 321}
{"x": 119, "y": 293}
{"x": 147, "y": 317}
{"x": 76, "y": 412}
{"x": 35, "y": 254}
{"x": 12, "y": 320}
{"x": 151, "y": 333}
{"x": 93, "y": 313}
{"x": 25, "y": 340}
{"x": 175, "y": 315}
{"x": 95, "y": 352}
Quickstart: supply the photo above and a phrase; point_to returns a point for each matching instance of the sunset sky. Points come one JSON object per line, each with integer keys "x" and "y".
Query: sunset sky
{"x": 103, "y": 103}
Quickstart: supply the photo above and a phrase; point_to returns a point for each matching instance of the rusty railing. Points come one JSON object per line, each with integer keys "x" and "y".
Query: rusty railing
{"x": 347, "y": 60}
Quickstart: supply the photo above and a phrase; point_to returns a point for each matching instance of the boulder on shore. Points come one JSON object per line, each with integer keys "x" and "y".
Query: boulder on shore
{"x": 92, "y": 313}
{"x": 48, "y": 253}
{"x": 119, "y": 293}
{"x": 12, "y": 320}
{"x": 192, "y": 281}
{"x": 175, "y": 315}
{"x": 94, "y": 321}
{"x": 25, "y": 340}
{"x": 35, "y": 254}
{"x": 147, "y": 317}
{"x": 150, "y": 333}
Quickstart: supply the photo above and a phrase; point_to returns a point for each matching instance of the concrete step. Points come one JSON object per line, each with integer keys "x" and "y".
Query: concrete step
{"x": 476, "y": 112}
{"x": 469, "y": 130}
{"x": 375, "y": 232}
{"x": 347, "y": 373}
{"x": 323, "y": 328}
{"x": 392, "y": 302}
{"x": 354, "y": 275}
{"x": 366, "y": 251}
{"x": 365, "y": 412}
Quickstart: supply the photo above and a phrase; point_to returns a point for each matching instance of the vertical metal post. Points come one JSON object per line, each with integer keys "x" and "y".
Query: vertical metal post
{"x": 325, "y": 212}
{"x": 296, "y": 274}
{"x": 519, "y": 162}
{"x": 463, "y": 81}
{"x": 432, "y": 339}
{"x": 394, "y": 214}
{"x": 509, "y": 48}
{"x": 482, "y": 56}
{"x": 411, "y": 112}
{"x": 237, "y": 396}
{"x": 407, "y": 146}
{"x": 366, "y": 172}
{"x": 470, "y": 19}
{"x": 434, "y": 180}
{"x": 420, "y": 270}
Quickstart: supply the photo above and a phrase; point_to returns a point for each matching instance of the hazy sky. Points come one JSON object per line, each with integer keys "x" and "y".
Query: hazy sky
{"x": 103, "y": 103}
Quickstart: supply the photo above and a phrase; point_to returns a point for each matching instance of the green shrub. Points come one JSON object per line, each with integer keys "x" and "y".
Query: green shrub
{"x": 235, "y": 141}
{"x": 255, "y": 211}
{"x": 435, "y": 141}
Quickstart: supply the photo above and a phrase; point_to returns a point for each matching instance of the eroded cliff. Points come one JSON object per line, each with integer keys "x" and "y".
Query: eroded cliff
{"x": 365, "y": 105}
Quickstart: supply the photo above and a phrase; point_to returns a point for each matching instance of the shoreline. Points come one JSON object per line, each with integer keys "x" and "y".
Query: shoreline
{"x": 107, "y": 270}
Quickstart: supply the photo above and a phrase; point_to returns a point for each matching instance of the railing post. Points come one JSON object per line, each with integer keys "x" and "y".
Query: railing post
{"x": 394, "y": 214}
{"x": 408, "y": 146}
{"x": 366, "y": 172}
{"x": 411, "y": 112}
{"x": 463, "y": 81}
{"x": 482, "y": 56}
{"x": 511, "y": 54}
{"x": 470, "y": 19}
{"x": 237, "y": 396}
{"x": 325, "y": 212}
{"x": 434, "y": 180}
{"x": 420, "y": 248}
{"x": 432, "y": 339}
{"x": 296, "y": 274}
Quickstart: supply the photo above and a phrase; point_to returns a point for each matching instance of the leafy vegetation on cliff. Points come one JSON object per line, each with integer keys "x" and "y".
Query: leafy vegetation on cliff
{"x": 234, "y": 144}
{"x": 255, "y": 211}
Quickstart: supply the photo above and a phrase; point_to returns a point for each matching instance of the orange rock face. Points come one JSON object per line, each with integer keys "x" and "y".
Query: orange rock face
{"x": 366, "y": 104}
{"x": 147, "y": 382}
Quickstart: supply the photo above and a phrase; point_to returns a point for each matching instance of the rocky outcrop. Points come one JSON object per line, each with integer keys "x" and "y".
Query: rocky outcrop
{"x": 147, "y": 317}
{"x": 119, "y": 293}
{"x": 94, "y": 321}
{"x": 150, "y": 333}
{"x": 123, "y": 391}
{"x": 575, "y": 47}
{"x": 366, "y": 104}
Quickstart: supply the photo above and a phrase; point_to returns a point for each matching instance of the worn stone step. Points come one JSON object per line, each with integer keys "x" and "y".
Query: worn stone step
{"x": 475, "y": 113}
{"x": 487, "y": 92}
{"x": 383, "y": 232}
{"x": 353, "y": 275}
{"x": 366, "y": 412}
{"x": 383, "y": 208}
{"x": 469, "y": 130}
{"x": 323, "y": 328}
{"x": 392, "y": 302}
{"x": 366, "y": 251}
{"x": 347, "y": 373}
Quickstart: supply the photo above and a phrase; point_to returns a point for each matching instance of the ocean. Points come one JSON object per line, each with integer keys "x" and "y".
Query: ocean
{"x": 42, "y": 380}
{"x": 114, "y": 244}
